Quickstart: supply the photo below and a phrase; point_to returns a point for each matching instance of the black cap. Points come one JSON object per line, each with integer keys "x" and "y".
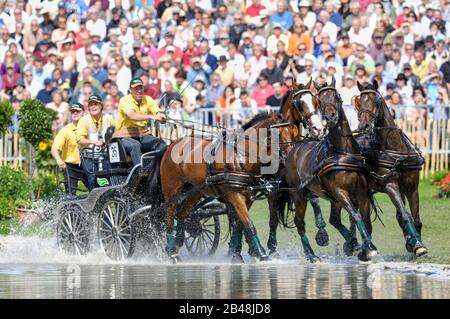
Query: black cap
{"x": 400, "y": 77}
{"x": 407, "y": 66}
{"x": 95, "y": 98}
{"x": 390, "y": 86}
{"x": 76, "y": 106}
{"x": 136, "y": 82}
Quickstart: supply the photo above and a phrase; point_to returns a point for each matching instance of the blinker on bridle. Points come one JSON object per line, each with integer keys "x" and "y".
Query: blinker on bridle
{"x": 373, "y": 116}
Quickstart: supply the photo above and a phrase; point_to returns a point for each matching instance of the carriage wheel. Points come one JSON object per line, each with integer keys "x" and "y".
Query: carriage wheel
{"x": 73, "y": 232}
{"x": 116, "y": 232}
{"x": 202, "y": 235}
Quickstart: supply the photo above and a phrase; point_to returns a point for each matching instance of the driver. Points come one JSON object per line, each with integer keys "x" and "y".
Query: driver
{"x": 91, "y": 131}
{"x": 135, "y": 110}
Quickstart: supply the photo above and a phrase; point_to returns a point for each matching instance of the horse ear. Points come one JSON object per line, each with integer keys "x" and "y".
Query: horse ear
{"x": 333, "y": 81}
{"x": 308, "y": 85}
{"x": 294, "y": 130}
{"x": 360, "y": 88}
{"x": 316, "y": 86}
{"x": 375, "y": 84}
{"x": 294, "y": 85}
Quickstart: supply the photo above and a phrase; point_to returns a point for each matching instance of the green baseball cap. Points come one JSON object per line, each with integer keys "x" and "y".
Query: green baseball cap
{"x": 76, "y": 106}
{"x": 136, "y": 82}
{"x": 95, "y": 98}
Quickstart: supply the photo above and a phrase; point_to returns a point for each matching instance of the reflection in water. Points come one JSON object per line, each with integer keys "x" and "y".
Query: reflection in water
{"x": 289, "y": 280}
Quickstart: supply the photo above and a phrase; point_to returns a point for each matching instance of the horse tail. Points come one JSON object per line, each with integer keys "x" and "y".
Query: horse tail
{"x": 285, "y": 213}
{"x": 375, "y": 208}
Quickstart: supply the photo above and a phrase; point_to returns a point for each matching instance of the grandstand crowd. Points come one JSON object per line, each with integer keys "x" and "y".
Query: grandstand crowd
{"x": 228, "y": 55}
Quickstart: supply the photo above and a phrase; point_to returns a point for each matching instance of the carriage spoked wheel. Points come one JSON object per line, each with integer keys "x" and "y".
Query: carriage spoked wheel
{"x": 73, "y": 231}
{"x": 116, "y": 232}
{"x": 202, "y": 235}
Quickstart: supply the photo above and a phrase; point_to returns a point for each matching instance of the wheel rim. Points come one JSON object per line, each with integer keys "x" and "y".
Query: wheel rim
{"x": 203, "y": 242}
{"x": 115, "y": 231}
{"x": 73, "y": 233}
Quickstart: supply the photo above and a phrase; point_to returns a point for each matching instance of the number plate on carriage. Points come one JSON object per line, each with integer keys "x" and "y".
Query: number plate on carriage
{"x": 114, "y": 156}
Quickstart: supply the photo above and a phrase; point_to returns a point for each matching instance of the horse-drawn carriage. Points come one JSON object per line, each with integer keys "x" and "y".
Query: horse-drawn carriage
{"x": 125, "y": 211}
{"x": 335, "y": 166}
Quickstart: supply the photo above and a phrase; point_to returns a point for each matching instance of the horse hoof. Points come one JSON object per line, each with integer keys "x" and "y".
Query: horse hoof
{"x": 237, "y": 259}
{"x": 175, "y": 260}
{"x": 362, "y": 256}
{"x": 420, "y": 251}
{"x": 274, "y": 255}
{"x": 372, "y": 253}
{"x": 352, "y": 248}
{"x": 314, "y": 259}
{"x": 322, "y": 237}
{"x": 264, "y": 258}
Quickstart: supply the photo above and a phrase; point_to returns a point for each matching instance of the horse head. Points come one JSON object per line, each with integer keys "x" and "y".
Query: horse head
{"x": 295, "y": 107}
{"x": 328, "y": 101}
{"x": 369, "y": 106}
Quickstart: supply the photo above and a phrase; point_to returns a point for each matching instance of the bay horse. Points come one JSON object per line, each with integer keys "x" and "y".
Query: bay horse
{"x": 181, "y": 173}
{"x": 332, "y": 168}
{"x": 390, "y": 154}
{"x": 295, "y": 109}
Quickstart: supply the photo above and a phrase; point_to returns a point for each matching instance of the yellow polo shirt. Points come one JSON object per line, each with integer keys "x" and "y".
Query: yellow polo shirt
{"x": 66, "y": 142}
{"x": 420, "y": 70}
{"x": 87, "y": 123}
{"x": 127, "y": 103}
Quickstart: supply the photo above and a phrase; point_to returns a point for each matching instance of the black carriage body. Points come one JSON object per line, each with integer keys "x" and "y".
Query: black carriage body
{"x": 125, "y": 207}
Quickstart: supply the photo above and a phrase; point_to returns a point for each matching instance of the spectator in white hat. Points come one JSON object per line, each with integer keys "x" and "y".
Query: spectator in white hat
{"x": 308, "y": 17}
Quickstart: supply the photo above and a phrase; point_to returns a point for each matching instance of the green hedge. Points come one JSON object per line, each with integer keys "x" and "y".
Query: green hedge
{"x": 13, "y": 188}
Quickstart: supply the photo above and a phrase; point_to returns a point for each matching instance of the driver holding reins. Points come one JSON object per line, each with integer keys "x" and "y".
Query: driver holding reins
{"x": 135, "y": 110}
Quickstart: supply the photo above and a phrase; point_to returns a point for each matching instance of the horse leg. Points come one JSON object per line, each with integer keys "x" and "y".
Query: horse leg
{"x": 171, "y": 247}
{"x": 277, "y": 205}
{"x": 364, "y": 208}
{"x": 239, "y": 203}
{"x": 351, "y": 245}
{"x": 322, "y": 235}
{"x": 300, "y": 201}
{"x": 413, "y": 200}
{"x": 368, "y": 249}
{"x": 235, "y": 244}
{"x": 183, "y": 212}
{"x": 413, "y": 240}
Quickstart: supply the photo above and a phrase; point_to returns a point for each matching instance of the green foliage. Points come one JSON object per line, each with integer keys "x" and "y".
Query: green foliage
{"x": 6, "y": 113}
{"x": 44, "y": 160}
{"x": 13, "y": 183}
{"x": 7, "y": 208}
{"x": 13, "y": 190}
{"x": 36, "y": 121}
{"x": 44, "y": 186}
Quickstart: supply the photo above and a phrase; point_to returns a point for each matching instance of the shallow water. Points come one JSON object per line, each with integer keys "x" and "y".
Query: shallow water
{"x": 33, "y": 267}
{"x": 280, "y": 280}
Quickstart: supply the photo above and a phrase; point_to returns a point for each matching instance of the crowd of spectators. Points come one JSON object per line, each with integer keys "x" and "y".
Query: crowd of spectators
{"x": 233, "y": 55}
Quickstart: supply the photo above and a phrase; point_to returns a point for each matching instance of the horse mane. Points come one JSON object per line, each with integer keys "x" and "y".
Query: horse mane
{"x": 256, "y": 119}
{"x": 284, "y": 100}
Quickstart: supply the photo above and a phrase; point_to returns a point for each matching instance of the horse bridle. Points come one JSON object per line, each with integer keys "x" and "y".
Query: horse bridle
{"x": 303, "y": 118}
{"x": 373, "y": 116}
